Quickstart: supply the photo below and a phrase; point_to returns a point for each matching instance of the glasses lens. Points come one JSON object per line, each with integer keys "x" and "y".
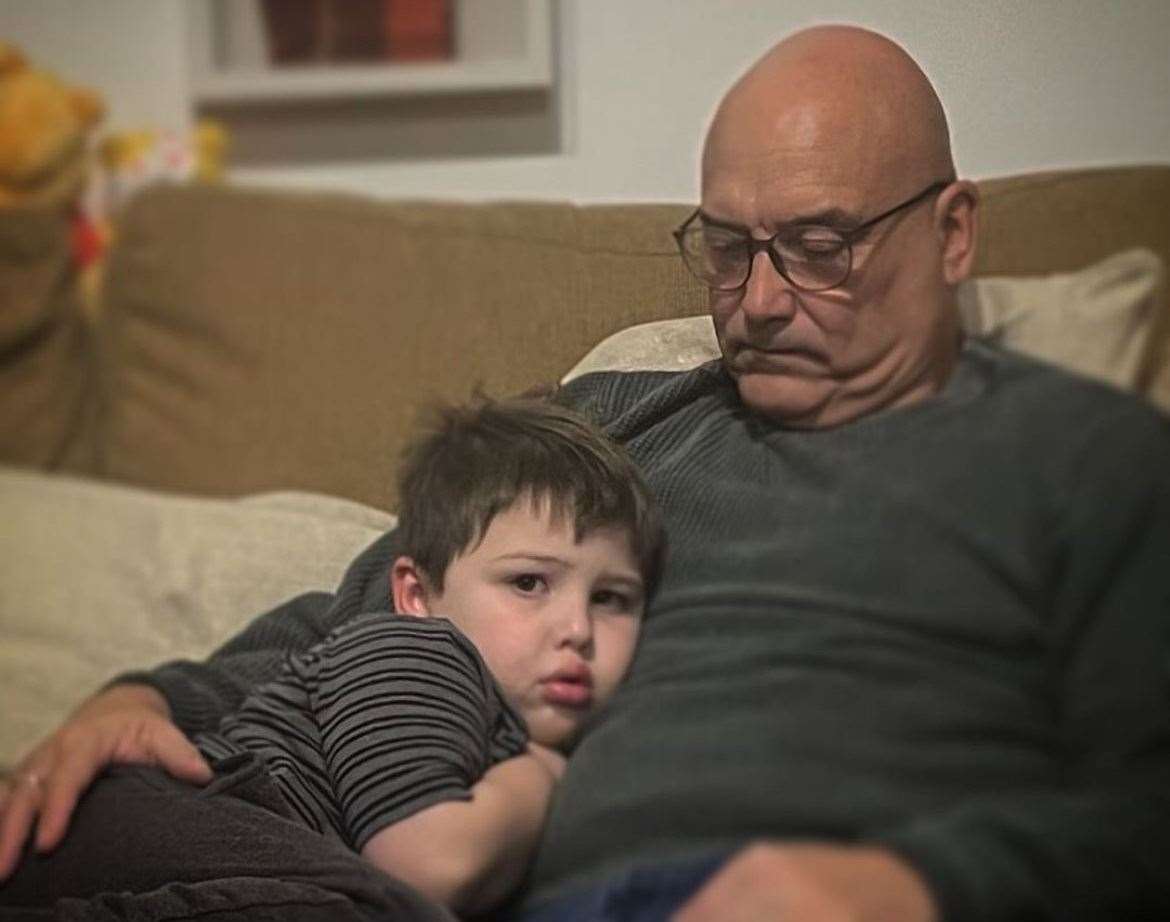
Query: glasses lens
{"x": 718, "y": 257}
{"x": 815, "y": 258}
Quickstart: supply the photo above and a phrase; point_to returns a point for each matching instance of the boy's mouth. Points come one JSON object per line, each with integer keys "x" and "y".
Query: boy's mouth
{"x": 571, "y": 687}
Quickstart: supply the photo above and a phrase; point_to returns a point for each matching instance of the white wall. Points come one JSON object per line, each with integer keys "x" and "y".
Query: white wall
{"x": 1027, "y": 85}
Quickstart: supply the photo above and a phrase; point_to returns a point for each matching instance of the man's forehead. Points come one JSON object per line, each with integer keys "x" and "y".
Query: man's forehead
{"x": 791, "y": 161}
{"x": 767, "y": 189}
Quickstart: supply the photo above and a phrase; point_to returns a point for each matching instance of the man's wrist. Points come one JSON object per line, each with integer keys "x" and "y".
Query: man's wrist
{"x": 124, "y": 695}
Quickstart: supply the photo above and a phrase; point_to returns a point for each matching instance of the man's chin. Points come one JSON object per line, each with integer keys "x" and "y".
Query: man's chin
{"x": 788, "y": 399}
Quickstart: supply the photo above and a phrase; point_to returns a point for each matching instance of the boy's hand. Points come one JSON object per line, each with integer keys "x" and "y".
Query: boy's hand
{"x": 125, "y": 723}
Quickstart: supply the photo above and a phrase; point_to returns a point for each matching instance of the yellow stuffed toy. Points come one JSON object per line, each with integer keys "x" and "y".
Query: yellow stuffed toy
{"x": 131, "y": 160}
{"x": 44, "y": 130}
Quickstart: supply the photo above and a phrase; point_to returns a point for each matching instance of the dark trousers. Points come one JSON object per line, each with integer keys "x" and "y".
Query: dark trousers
{"x": 652, "y": 893}
{"x": 143, "y": 846}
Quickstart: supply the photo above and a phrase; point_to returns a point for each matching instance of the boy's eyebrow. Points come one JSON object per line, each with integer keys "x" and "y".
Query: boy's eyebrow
{"x": 531, "y": 555}
{"x": 631, "y": 582}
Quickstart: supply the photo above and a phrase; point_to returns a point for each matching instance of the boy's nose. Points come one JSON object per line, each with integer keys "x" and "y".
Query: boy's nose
{"x": 576, "y": 625}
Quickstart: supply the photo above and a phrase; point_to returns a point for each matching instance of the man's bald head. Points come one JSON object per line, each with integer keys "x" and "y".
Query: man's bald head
{"x": 848, "y": 96}
{"x": 834, "y": 146}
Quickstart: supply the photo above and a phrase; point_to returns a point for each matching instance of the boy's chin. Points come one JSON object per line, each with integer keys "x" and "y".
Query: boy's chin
{"x": 555, "y": 729}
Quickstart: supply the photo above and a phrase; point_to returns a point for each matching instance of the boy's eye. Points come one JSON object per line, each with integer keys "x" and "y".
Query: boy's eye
{"x": 610, "y": 598}
{"x": 527, "y": 582}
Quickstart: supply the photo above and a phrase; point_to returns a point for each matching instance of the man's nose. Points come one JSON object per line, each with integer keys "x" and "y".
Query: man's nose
{"x": 768, "y": 297}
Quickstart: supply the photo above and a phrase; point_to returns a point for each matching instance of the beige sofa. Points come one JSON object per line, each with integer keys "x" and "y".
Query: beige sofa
{"x": 223, "y": 430}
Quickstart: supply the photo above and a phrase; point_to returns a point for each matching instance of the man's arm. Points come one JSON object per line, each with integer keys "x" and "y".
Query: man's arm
{"x": 201, "y": 694}
{"x": 1096, "y": 844}
{"x": 143, "y": 716}
{"x": 469, "y": 855}
{"x": 125, "y": 723}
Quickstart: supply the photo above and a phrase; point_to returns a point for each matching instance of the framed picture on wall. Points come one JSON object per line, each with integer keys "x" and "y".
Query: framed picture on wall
{"x": 282, "y": 50}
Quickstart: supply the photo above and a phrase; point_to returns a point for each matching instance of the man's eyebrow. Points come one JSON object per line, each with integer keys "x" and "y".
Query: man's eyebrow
{"x": 836, "y": 218}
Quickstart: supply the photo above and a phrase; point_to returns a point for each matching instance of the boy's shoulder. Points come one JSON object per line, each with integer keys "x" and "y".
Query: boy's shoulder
{"x": 385, "y": 642}
{"x": 392, "y": 627}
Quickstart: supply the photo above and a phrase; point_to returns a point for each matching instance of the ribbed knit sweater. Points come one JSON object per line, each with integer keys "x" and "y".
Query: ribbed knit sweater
{"x": 943, "y": 628}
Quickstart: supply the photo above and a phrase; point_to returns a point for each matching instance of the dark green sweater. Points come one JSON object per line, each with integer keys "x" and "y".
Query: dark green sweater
{"x": 943, "y": 628}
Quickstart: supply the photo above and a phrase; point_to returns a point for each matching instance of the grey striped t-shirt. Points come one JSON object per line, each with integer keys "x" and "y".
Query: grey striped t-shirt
{"x": 386, "y": 716}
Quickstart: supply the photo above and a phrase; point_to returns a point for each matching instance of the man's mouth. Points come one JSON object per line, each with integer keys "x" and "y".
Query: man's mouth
{"x": 749, "y": 358}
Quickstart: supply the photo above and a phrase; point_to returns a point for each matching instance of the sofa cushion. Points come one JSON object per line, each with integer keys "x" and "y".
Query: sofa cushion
{"x": 96, "y": 579}
{"x": 256, "y": 340}
{"x": 1098, "y": 321}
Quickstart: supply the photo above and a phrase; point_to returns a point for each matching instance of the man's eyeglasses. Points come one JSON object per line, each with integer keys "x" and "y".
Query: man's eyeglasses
{"x": 811, "y": 257}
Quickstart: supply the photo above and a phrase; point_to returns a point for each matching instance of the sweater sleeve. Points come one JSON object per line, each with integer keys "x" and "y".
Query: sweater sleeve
{"x": 1097, "y": 847}
{"x": 201, "y": 694}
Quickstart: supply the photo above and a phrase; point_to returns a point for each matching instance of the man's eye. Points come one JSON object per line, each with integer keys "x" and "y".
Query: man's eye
{"x": 724, "y": 245}
{"x": 820, "y": 244}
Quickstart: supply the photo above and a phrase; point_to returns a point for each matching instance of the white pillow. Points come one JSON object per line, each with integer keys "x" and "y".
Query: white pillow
{"x": 662, "y": 345}
{"x": 1097, "y": 321}
{"x": 96, "y": 579}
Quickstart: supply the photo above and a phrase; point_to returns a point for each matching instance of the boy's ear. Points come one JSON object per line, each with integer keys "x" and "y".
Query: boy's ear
{"x": 408, "y": 588}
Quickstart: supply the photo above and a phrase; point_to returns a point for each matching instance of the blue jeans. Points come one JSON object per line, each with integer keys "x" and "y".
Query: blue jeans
{"x": 651, "y": 893}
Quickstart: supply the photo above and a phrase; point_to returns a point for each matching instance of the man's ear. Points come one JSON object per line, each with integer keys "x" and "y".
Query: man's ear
{"x": 409, "y": 588}
{"x": 958, "y": 217}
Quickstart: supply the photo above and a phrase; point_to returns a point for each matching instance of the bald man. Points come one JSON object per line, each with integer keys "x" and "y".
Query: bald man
{"x": 909, "y": 660}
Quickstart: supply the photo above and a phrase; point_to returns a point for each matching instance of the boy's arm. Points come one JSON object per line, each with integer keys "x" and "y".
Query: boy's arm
{"x": 469, "y": 855}
{"x": 432, "y": 774}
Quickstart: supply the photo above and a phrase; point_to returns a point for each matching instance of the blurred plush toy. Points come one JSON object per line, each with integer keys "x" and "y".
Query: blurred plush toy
{"x": 132, "y": 160}
{"x": 44, "y": 130}
{"x": 46, "y": 142}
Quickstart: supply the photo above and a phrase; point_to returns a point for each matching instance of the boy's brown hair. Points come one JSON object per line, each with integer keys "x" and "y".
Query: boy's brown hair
{"x": 479, "y": 460}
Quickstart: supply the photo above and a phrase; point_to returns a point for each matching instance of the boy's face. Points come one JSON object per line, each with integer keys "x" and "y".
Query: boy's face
{"x": 555, "y": 620}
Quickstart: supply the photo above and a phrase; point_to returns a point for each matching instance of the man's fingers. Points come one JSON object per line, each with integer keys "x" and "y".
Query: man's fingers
{"x": 61, "y": 790}
{"x": 179, "y": 757}
{"x": 20, "y": 809}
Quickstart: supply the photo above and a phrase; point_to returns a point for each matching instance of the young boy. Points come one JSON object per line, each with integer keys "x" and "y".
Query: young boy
{"x": 430, "y": 739}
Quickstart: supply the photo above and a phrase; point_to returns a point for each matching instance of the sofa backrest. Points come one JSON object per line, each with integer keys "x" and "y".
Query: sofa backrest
{"x": 256, "y": 340}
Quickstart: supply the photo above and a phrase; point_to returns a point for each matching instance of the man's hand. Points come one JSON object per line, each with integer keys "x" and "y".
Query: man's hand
{"x": 812, "y": 883}
{"x": 126, "y": 723}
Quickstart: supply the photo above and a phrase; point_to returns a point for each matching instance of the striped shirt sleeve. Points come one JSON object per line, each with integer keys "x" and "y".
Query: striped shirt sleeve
{"x": 409, "y": 717}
